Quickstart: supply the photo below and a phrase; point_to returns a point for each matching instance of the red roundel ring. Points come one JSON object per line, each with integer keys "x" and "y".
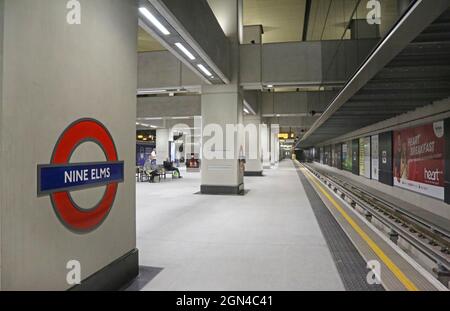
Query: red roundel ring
{"x": 75, "y": 218}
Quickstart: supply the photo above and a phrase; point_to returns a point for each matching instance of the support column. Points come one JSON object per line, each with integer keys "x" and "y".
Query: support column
{"x": 222, "y": 110}
{"x": 265, "y": 146}
{"x": 58, "y": 74}
{"x": 253, "y": 166}
{"x": 274, "y": 144}
{"x": 162, "y": 145}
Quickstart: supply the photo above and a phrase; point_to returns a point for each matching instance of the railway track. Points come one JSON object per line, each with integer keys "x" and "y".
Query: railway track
{"x": 430, "y": 240}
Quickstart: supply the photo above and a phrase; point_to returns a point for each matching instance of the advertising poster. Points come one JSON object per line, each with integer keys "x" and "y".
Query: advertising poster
{"x": 364, "y": 157}
{"x": 419, "y": 160}
{"x": 375, "y": 156}
{"x": 347, "y": 156}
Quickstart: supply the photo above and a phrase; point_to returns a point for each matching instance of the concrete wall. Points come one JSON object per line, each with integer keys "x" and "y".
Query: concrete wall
{"x": 163, "y": 70}
{"x": 292, "y": 62}
{"x": 294, "y": 102}
{"x": 341, "y": 59}
{"x": 251, "y": 66}
{"x": 292, "y": 122}
{"x": 253, "y": 33}
{"x": 54, "y": 74}
{"x": 176, "y": 106}
{"x": 305, "y": 63}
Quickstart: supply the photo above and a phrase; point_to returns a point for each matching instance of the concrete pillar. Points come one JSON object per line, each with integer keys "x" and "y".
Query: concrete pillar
{"x": 253, "y": 166}
{"x": 59, "y": 69}
{"x": 274, "y": 144}
{"x": 265, "y": 146}
{"x": 162, "y": 145}
{"x": 222, "y": 109}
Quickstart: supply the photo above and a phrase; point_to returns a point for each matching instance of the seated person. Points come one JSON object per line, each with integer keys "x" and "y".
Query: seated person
{"x": 151, "y": 169}
{"x": 168, "y": 166}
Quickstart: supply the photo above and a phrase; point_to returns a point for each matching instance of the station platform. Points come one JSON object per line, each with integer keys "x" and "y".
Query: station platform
{"x": 268, "y": 239}
{"x": 284, "y": 234}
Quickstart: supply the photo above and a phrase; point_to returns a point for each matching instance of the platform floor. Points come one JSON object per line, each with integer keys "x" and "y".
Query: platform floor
{"x": 267, "y": 240}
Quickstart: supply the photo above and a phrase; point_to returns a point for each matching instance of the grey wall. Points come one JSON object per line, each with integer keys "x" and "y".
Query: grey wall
{"x": 292, "y": 62}
{"x": 177, "y": 106}
{"x": 251, "y": 66}
{"x": 161, "y": 70}
{"x": 341, "y": 59}
{"x": 304, "y": 63}
{"x": 54, "y": 74}
{"x": 253, "y": 33}
{"x": 295, "y": 102}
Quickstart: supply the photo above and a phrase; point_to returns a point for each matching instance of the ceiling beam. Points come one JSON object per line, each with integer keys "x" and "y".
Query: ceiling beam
{"x": 306, "y": 21}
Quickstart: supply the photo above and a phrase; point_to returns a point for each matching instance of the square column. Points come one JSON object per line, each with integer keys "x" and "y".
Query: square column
{"x": 222, "y": 140}
{"x": 265, "y": 146}
{"x": 274, "y": 144}
{"x": 222, "y": 114}
{"x": 58, "y": 76}
{"x": 162, "y": 145}
{"x": 253, "y": 166}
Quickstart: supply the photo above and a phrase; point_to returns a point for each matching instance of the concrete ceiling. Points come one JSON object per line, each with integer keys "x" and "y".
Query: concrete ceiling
{"x": 283, "y": 20}
{"x": 146, "y": 43}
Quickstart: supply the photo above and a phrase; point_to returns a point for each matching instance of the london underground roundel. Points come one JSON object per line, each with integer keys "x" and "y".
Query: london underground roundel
{"x": 60, "y": 177}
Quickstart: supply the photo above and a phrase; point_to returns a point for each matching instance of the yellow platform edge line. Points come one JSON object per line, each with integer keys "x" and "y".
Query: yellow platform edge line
{"x": 409, "y": 285}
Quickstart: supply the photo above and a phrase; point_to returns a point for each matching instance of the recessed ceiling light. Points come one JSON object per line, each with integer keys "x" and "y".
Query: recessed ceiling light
{"x": 154, "y": 21}
{"x": 185, "y": 51}
{"x": 246, "y": 111}
{"x": 270, "y": 86}
{"x": 205, "y": 71}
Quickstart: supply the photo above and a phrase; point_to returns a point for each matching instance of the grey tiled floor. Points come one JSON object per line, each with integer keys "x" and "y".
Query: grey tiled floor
{"x": 266, "y": 240}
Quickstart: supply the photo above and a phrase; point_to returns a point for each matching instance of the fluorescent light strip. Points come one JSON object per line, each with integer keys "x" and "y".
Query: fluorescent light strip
{"x": 185, "y": 51}
{"x": 206, "y": 71}
{"x": 154, "y": 21}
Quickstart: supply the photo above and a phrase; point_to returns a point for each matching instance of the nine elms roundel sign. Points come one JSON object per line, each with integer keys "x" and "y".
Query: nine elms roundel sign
{"x": 60, "y": 177}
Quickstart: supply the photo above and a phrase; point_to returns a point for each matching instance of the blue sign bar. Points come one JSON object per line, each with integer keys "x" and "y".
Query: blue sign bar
{"x": 68, "y": 177}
